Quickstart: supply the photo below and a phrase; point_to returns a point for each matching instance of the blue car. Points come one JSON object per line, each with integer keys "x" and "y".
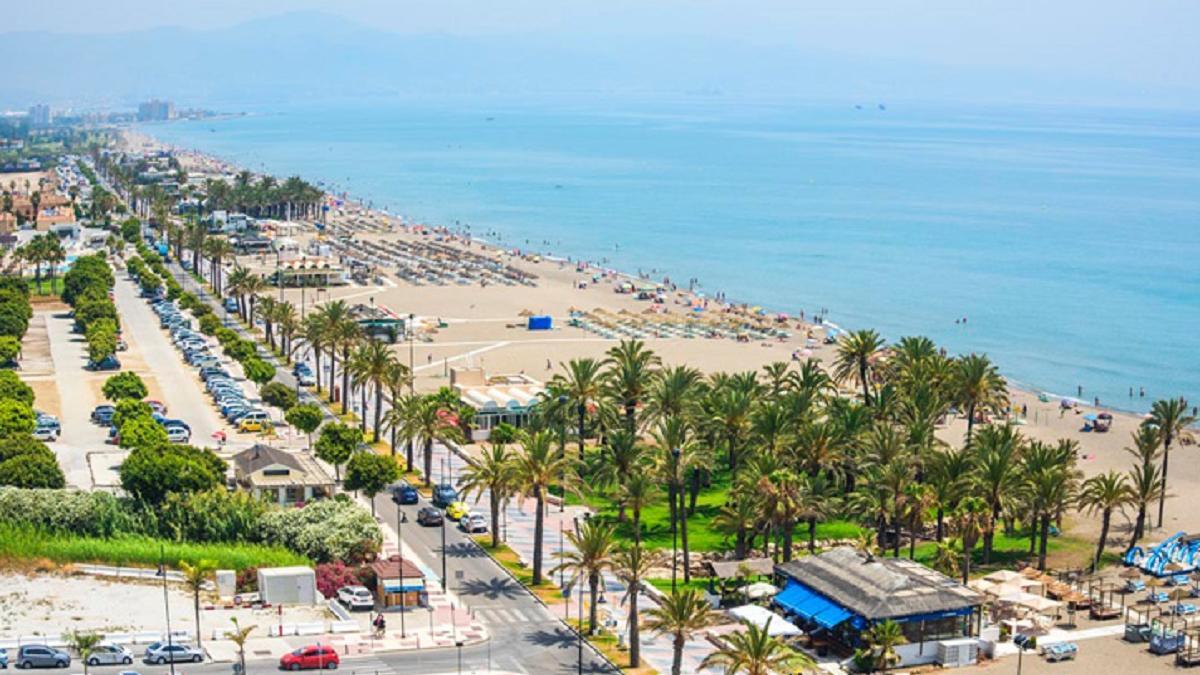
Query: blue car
{"x": 231, "y": 305}
{"x": 404, "y": 494}
{"x": 103, "y": 414}
{"x": 444, "y": 495}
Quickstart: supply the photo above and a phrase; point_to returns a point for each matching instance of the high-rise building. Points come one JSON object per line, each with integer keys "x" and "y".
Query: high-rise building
{"x": 156, "y": 111}
{"x": 39, "y": 115}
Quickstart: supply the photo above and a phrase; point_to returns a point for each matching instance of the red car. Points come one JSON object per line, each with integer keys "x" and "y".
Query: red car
{"x": 310, "y": 657}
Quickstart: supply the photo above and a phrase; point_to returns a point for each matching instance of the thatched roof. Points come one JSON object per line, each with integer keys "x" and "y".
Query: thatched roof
{"x": 879, "y": 588}
{"x": 729, "y": 569}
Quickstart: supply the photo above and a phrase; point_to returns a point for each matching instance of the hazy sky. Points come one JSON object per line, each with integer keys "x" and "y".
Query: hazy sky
{"x": 1150, "y": 42}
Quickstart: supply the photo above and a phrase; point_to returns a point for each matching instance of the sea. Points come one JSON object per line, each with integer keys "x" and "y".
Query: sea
{"x": 1063, "y": 242}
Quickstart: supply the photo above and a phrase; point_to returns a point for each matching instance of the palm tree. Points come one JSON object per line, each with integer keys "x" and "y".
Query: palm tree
{"x": 632, "y": 368}
{"x": 967, "y": 523}
{"x": 84, "y": 643}
{"x": 492, "y": 471}
{"x": 756, "y": 652}
{"x": 400, "y": 420}
{"x": 315, "y": 332}
{"x": 239, "y": 636}
{"x": 739, "y": 517}
{"x": 681, "y": 614}
{"x": 53, "y": 254}
{"x": 429, "y": 423}
{"x": 589, "y": 556}
{"x": 287, "y": 323}
{"x": 1145, "y": 486}
{"x": 948, "y": 473}
{"x": 375, "y": 363}
{"x": 977, "y": 385}
{"x": 619, "y": 458}
{"x": 1052, "y": 488}
{"x": 673, "y": 392}
{"x": 196, "y": 577}
{"x": 855, "y": 353}
{"x": 1103, "y": 494}
{"x": 779, "y": 501}
{"x": 636, "y": 493}
{"x": 818, "y": 500}
{"x": 882, "y": 640}
{"x": 395, "y": 380}
{"x": 217, "y": 249}
{"x": 582, "y": 384}
{"x": 338, "y": 331}
{"x": 1171, "y": 419}
{"x": 997, "y": 451}
{"x": 538, "y": 466}
{"x": 632, "y": 565}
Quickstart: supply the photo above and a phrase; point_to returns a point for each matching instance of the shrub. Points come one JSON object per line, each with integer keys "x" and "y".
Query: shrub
{"x": 12, "y": 388}
{"x": 13, "y": 321}
{"x": 35, "y": 470}
{"x": 129, "y": 409}
{"x": 247, "y": 580}
{"x": 131, "y": 230}
{"x": 10, "y": 348}
{"x": 258, "y": 371}
{"x": 334, "y": 575}
{"x": 241, "y": 350}
{"x": 99, "y": 514}
{"x": 151, "y": 472}
{"x": 125, "y": 385}
{"x": 209, "y": 515}
{"x": 16, "y": 418}
{"x": 279, "y": 395}
{"x": 142, "y": 433}
{"x": 326, "y": 530}
{"x": 101, "y": 339}
{"x": 209, "y": 324}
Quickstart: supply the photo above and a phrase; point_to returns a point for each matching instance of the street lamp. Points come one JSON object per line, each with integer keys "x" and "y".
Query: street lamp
{"x": 444, "y": 553}
{"x": 459, "y": 645}
{"x": 401, "y": 518}
{"x": 675, "y": 452}
{"x": 562, "y": 447}
{"x": 162, "y": 571}
{"x": 579, "y": 590}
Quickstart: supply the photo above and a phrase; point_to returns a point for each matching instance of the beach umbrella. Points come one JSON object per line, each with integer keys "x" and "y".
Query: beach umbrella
{"x": 760, "y": 590}
{"x": 1003, "y": 576}
{"x": 1131, "y": 573}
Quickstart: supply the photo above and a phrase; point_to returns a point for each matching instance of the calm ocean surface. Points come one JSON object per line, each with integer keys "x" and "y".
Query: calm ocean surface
{"x": 1069, "y": 238}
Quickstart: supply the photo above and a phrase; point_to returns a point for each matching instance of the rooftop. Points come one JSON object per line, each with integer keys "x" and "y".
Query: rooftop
{"x": 302, "y": 470}
{"x": 396, "y": 569}
{"x": 879, "y": 588}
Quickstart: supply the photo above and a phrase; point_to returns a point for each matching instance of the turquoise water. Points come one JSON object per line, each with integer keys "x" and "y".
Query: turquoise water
{"x": 1069, "y": 238}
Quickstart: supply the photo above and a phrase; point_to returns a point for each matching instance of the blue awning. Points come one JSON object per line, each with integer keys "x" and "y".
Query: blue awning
{"x": 792, "y": 596}
{"x": 400, "y": 588}
{"x": 831, "y": 617}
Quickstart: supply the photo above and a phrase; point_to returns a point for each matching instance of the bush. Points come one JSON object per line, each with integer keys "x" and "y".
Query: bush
{"x": 209, "y": 324}
{"x": 10, "y": 348}
{"x": 226, "y": 336}
{"x": 101, "y": 339}
{"x": 279, "y": 395}
{"x": 32, "y": 471}
{"x": 241, "y": 350}
{"x": 16, "y": 418}
{"x": 131, "y": 230}
{"x": 129, "y": 409}
{"x": 13, "y": 321}
{"x": 210, "y": 515}
{"x": 151, "y": 472}
{"x": 141, "y": 433}
{"x": 247, "y": 580}
{"x": 98, "y": 514}
{"x": 258, "y": 371}
{"x": 334, "y": 575}
{"x": 125, "y": 385}
{"x": 89, "y": 271}
{"x": 326, "y": 530}
{"x": 12, "y": 388}
{"x": 21, "y": 444}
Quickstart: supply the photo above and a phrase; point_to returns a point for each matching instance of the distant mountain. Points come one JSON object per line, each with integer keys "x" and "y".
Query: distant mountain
{"x": 312, "y": 55}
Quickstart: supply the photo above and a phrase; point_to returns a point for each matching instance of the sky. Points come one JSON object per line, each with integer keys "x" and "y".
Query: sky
{"x": 1151, "y": 43}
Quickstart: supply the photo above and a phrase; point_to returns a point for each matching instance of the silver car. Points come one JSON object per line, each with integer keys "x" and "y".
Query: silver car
{"x": 108, "y": 655}
{"x": 41, "y": 656}
{"x": 161, "y": 652}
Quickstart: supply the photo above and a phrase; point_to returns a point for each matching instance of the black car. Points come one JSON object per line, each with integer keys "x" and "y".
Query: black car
{"x": 103, "y": 414}
{"x": 444, "y": 495}
{"x": 404, "y": 494}
{"x": 429, "y": 516}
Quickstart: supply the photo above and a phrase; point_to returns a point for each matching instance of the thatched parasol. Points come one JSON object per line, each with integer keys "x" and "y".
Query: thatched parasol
{"x": 1131, "y": 573}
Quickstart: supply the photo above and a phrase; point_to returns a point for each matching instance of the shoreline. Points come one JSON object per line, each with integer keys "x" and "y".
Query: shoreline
{"x": 466, "y": 237}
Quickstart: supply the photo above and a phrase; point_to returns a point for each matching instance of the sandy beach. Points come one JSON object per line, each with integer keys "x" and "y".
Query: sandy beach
{"x": 484, "y": 326}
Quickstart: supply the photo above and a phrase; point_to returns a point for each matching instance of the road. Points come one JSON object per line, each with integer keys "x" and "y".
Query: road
{"x": 525, "y": 637}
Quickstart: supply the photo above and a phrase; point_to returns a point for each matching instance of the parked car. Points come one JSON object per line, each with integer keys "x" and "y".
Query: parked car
{"x": 103, "y": 414}
{"x": 48, "y": 420}
{"x": 404, "y": 494}
{"x": 45, "y": 433}
{"x": 429, "y": 516}
{"x": 107, "y": 363}
{"x": 309, "y": 658}
{"x": 178, "y": 435}
{"x": 474, "y": 523}
{"x": 41, "y": 656}
{"x": 161, "y": 652}
{"x": 306, "y": 379}
{"x": 443, "y": 494}
{"x": 122, "y": 345}
{"x": 108, "y": 655}
{"x": 157, "y": 406}
{"x": 254, "y": 421}
{"x": 231, "y": 305}
{"x": 356, "y": 597}
{"x": 113, "y": 437}
{"x": 457, "y": 510}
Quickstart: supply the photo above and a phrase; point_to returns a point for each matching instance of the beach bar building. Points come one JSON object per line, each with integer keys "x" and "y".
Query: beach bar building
{"x": 497, "y": 399}
{"x": 379, "y": 322}
{"x": 838, "y": 595}
{"x": 398, "y": 582}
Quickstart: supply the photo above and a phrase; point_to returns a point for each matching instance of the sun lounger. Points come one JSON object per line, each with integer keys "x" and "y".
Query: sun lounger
{"x": 1135, "y": 586}
{"x": 1157, "y": 597}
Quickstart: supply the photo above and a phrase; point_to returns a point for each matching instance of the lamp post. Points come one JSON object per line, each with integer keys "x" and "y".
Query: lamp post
{"x": 162, "y": 571}
{"x": 675, "y": 452}
{"x": 579, "y": 590}
{"x": 444, "y": 553}
{"x": 562, "y": 447}
{"x": 401, "y": 518}
{"x": 459, "y": 645}
{"x": 412, "y": 375}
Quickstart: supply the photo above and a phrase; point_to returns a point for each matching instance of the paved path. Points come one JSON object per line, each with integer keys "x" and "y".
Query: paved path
{"x": 77, "y": 396}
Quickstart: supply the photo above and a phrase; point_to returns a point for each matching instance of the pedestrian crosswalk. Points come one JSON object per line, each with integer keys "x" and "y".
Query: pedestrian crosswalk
{"x": 508, "y": 615}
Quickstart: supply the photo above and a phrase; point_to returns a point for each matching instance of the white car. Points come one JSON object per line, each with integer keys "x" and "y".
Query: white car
{"x": 356, "y": 597}
{"x": 109, "y": 654}
{"x": 162, "y": 653}
{"x": 474, "y": 523}
{"x": 177, "y": 434}
{"x": 45, "y": 433}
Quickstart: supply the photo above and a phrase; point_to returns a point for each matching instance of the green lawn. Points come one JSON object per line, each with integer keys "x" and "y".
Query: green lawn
{"x": 28, "y": 544}
{"x": 46, "y": 288}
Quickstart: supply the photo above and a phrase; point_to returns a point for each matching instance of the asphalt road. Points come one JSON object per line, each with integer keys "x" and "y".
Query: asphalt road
{"x": 525, "y": 637}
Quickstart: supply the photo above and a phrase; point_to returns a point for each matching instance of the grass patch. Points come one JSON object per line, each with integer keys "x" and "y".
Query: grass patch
{"x": 47, "y": 288}
{"x": 21, "y": 543}
{"x": 548, "y": 591}
{"x": 664, "y": 584}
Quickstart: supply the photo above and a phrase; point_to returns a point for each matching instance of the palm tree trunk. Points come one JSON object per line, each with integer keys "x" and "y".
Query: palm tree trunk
{"x": 989, "y": 534}
{"x": 409, "y": 459}
{"x": 812, "y": 535}
{"x": 378, "y": 411}
{"x": 594, "y": 589}
{"x": 1139, "y": 525}
{"x": 970, "y": 421}
{"x": 362, "y": 422}
{"x": 693, "y": 492}
{"x": 345, "y": 377}
{"x": 196, "y": 607}
{"x": 392, "y": 445}
{"x": 495, "y": 504}
{"x": 1045, "y": 535}
{"x": 788, "y": 526}
{"x": 637, "y": 526}
{"x": 677, "y": 655}
{"x": 862, "y": 375}
{"x": 941, "y": 517}
{"x": 683, "y": 538}
{"x": 1162, "y": 495}
{"x": 635, "y": 647}
{"x": 539, "y": 514}
{"x": 1104, "y": 523}
{"x": 429, "y": 461}
{"x": 582, "y": 420}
